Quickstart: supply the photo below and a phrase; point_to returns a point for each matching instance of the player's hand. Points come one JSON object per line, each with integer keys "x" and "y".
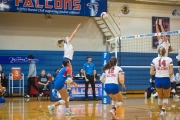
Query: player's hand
{"x": 157, "y": 21}
{"x": 86, "y": 79}
{"x": 160, "y": 21}
{"x": 94, "y": 79}
{"x": 79, "y": 26}
{"x": 75, "y": 84}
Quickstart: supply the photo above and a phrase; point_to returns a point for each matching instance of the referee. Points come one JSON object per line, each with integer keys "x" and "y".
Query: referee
{"x": 89, "y": 74}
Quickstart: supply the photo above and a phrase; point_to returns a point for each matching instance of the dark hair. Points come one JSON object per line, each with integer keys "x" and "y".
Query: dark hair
{"x": 111, "y": 63}
{"x": 89, "y": 57}
{"x": 80, "y": 74}
{"x": 30, "y": 56}
{"x": 43, "y": 70}
{"x": 65, "y": 62}
{"x": 56, "y": 70}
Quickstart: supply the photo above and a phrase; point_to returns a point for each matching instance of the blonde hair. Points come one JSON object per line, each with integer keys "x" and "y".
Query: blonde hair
{"x": 59, "y": 42}
{"x": 161, "y": 51}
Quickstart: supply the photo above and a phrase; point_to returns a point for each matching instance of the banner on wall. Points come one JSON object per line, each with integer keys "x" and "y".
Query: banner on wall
{"x": 58, "y": 7}
{"x": 105, "y": 98}
{"x": 176, "y": 12}
{"x": 165, "y": 24}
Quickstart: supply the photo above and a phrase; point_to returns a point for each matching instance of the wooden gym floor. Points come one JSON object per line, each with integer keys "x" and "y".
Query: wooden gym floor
{"x": 135, "y": 107}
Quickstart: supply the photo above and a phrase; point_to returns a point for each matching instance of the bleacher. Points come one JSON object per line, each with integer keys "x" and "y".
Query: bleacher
{"x": 136, "y": 78}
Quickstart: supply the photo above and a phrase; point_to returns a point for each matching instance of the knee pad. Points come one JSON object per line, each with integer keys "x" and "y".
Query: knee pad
{"x": 165, "y": 100}
{"x": 160, "y": 101}
{"x": 69, "y": 80}
{"x": 119, "y": 104}
{"x": 62, "y": 102}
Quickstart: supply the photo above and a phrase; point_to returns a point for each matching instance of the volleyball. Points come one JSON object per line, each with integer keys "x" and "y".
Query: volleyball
{"x": 104, "y": 15}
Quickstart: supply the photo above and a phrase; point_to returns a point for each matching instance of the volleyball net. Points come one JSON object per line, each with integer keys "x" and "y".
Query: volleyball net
{"x": 137, "y": 51}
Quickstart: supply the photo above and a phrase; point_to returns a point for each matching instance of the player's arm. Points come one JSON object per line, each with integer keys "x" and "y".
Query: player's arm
{"x": 40, "y": 83}
{"x": 73, "y": 34}
{"x": 162, "y": 28}
{"x": 171, "y": 70}
{"x": 152, "y": 72}
{"x": 157, "y": 29}
{"x": 102, "y": 78}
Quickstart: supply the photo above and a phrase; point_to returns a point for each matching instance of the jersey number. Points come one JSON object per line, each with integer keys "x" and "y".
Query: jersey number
{"x": 163, "y": 63}
{"x": 111, "y": 71}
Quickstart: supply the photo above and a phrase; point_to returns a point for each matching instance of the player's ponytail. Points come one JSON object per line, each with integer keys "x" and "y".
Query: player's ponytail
{"x": 111, "y": 63}
{"x": 60, "y": 42}
{"x": 161, "y": 51}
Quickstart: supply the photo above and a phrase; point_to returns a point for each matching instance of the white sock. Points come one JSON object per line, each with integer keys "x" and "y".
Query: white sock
{"x": 67, "y": 109}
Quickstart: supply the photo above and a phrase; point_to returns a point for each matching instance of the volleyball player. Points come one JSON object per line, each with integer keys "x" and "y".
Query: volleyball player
{"x": 163, "y": 40}
{"x": 62, "y": 77}
{"x": 112, "y": 79}
{"x": 68, "y": 50}
{"x": 164, "y": 69}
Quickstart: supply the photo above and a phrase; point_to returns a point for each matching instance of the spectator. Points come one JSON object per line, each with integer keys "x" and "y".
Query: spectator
{"x": 4, "y": 80}
{"x": 81, "y": 73}
{"x": 178, "y": 77}
{"x": 89, "y": 74}
{"x": 173, "y": 84}
{"x": 31, "y": 75}
{"x": 0, "y": 72}
{"x": 43, "y": 82}
{"x": 56, "y": 72}
{"x": 152, "y": 81}
{"x": 178, "y": 59}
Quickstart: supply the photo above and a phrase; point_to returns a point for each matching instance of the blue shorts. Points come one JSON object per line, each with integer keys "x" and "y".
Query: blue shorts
{"x": 58, "y": 84}
{"x": 112, "y": 88}
{"x": 66, "y": 59}
{"x": 164, "y": 82}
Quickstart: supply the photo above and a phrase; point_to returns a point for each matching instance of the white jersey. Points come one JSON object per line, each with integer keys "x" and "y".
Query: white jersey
{"x": 162, "y": 66}
{"x": 111, "y": 75}
{"x": 68, "y": 51}
{"x": 164, "y": 45}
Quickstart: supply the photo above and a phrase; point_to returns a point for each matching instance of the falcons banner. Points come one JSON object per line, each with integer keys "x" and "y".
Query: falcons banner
{"x": 62, "y": 7}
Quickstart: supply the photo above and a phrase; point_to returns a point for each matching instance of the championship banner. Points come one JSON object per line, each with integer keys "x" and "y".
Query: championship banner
{"x": 61, "y": 7}
{"x": 105, "y": 98}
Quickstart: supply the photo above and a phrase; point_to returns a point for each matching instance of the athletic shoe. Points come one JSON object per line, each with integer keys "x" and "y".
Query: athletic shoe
{"x": 155, "y": 95}
{"x": 69, "y": 112}
{"x": 162, "y": 112}
{"x": 50, "y": 108}
{"x": 26, "y": 96}
{"x": 176, "y": 98}
{"x": 113, "y": 114}
{"x": 40, "y": 96}
{"x": 173, "y": 91}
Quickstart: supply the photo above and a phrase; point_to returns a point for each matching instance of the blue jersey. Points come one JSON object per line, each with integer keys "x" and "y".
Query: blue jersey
{"x": 89, "y": 68}
{"x": 63, "y": 74}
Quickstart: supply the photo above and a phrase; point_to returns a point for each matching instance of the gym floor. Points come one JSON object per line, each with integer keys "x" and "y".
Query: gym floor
{"x": 135, "y": 107}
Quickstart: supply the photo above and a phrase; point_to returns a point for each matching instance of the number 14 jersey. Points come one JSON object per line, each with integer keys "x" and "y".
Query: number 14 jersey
{"x": 111, "y": 75}
{"x": 162, "y": 65}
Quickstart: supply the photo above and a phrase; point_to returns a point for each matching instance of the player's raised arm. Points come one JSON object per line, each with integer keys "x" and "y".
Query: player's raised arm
{"x": 157, "y": 29}
{"x": 162, "y": 28}
{"x": 74, "y": 33}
